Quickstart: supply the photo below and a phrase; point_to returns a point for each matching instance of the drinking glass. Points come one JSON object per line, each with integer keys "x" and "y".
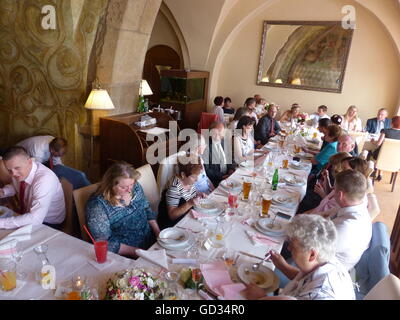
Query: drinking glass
{"x": 246, "y": 188}
{"x": 266, "y": 204}
{"x": 171, "y": 293}
{"x": 100, "y": 249}
{"x": 233, "y": 201}
{"x": 8, "y": 275}
{"x": 17, "y": 257}
{"x": 285, "y": 163}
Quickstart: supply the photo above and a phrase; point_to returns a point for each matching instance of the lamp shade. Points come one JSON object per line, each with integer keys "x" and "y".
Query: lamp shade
{"x": 99, "y": 99}
{"x": 145, "y": 89}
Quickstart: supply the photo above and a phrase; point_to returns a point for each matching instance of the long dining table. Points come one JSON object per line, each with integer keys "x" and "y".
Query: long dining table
{"x": 72, "y": 256}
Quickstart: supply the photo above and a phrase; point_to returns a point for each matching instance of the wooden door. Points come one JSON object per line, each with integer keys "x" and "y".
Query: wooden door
{"x": 159, "y": 58}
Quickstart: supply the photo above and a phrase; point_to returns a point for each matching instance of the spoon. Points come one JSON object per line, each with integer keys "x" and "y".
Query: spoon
{"x": 256, "y": 266}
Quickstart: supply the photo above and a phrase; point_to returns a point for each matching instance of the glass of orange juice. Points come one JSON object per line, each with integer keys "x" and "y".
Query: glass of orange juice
{"x": 285, "y": 163}
{"x": 297, "y": 148}
{"x": 8, "y": 275}
{"x": 246, "y": 189}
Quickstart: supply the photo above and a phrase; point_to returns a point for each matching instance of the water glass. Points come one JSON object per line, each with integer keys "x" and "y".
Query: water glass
{"x": 8, "y": 275}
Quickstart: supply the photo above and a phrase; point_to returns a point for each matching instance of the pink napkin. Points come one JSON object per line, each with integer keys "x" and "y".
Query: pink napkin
{"x": 257, "y": 238}
{"x": 232, "y": 291}
{"x": 219, "y": 281}
{"x": 198, "y": 215}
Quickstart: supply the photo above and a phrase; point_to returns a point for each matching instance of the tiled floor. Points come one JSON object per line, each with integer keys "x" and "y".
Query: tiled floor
{"x": 388, "y": 201}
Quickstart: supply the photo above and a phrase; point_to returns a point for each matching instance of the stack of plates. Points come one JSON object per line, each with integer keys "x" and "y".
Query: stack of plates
{"x": 209, "y": 206}
{"x": 231, "y": 185}
{"x": 175, "y": 239}
{"x": 264, "y": 277}
{"x": 266, "y": 227}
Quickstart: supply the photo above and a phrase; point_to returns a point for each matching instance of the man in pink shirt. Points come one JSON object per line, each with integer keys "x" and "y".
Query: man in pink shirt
{"x": 41, "y": 198}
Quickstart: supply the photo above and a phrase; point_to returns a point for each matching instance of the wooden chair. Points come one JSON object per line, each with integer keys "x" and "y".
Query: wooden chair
{"x": 395, "y": 246}
{"x": 81, "y": 196}
{"x": 5, "y": 177}
{"x": 148, "y": 182}
{"x": 205, "y": 120}
{"x": 386, "y": 289}
{"x": 68, "y": 224}
{"x": 389, "y": 159}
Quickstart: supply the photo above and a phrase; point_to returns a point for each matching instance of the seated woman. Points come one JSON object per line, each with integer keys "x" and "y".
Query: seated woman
{"x": 337, "y": 119}
{"x": 351, "y": 122}
{"x": 392, "y": 133}
{"x": 120, "y": 213}
{"x": 331, "y": 138}
{"x": 243, "y": 141}
{"x": 180, "y": 196}
{"x": 318, "y": 275}
{"x": 228, "y": 107}
{"x": 292, "y": 114}
{"x": 323, "y": 125}
{"x": 238, "y": 114}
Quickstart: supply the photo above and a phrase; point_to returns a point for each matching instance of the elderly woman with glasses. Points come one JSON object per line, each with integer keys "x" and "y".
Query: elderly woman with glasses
{"x": 318, "y": 275}
{"x": 120, "y": 213}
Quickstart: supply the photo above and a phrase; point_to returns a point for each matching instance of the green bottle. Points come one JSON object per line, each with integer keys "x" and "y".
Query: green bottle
{"x": 141, "y": 106}
{"x": 275, "y": 180}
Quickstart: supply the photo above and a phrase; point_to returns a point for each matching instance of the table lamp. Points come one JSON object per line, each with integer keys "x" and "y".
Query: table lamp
{"x": 144, "y": 90}
{"x": 98, "y": 99}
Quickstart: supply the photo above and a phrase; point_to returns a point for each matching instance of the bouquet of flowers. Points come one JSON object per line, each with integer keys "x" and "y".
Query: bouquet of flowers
{"x": 135, "y": 284}
{"x": 302, "y": 117}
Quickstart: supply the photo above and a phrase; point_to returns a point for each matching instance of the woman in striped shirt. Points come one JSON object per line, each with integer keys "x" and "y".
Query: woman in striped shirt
{"x": 181, "y": 195}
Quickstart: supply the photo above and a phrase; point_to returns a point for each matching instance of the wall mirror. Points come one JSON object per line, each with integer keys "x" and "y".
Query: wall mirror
{"x": 307, "y": 55}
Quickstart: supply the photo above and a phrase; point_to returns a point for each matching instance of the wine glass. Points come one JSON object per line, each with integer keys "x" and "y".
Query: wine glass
{"x": 171, "y": 278}
{"x": 17, "y": 257}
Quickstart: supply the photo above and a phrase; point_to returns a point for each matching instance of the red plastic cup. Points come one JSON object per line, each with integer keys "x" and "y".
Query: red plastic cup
{"x": 101, "y": 248}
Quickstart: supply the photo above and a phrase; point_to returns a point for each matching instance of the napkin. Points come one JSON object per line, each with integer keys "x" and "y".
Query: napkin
{"x": 7, "y": 248}
{"x": 259, "y": 239}
{"x": 158, "y": 257}
{"x": 248, "y": 221}
{"x": 232, "y": 291}
{"x": 198, "y": 215}
{"x": 21, "y": 234}
{"x": 101, "y": 266}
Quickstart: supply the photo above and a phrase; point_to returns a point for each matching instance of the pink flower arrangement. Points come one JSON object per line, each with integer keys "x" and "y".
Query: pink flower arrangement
{"x": 302, "y": 117}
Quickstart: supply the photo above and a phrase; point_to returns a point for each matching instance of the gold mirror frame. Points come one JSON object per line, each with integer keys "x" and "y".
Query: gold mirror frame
{"x": 301, "y": 54}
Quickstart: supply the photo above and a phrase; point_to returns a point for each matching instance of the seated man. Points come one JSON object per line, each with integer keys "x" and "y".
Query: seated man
{"x": 49, "y": 150}
{"x": 375, "y": 125}
{"x": 45, "y": 148}
{"x": 216, "y": 163}
{"x": 346, "y": 143}
{"x": 267, "y": 127}
{"x": 320, "y": 114}
{"x": 41, "y": 197}
{"x": 352, "y": 219}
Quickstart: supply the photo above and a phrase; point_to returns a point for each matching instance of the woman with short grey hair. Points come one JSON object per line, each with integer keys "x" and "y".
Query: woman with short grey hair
{"x": 318, "y": 275}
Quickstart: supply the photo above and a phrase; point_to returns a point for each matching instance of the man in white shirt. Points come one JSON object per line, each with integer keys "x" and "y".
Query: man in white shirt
{"x": 352, "y": 219}
{"x": 41, "y": 198}
{"x": 218, "y": 102}
{"x": 45, "y": 148}
{"x": 320, "y": 114}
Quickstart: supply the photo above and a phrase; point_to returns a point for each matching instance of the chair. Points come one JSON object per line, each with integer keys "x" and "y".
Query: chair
{"x": 205, "y": 120}
{"x": 395, "y": 242}
{"x": 386, "y": 289}
{"x": 166, "y": 170}
{"x": 374, "y": 263}
{"x": 68, "y": 223}
{"x": 359, "y": 138}
{"x": 81, "y": 196}
{"x": 149, "y": 185}
{"x": 389, "y": 159}
{"x": 5, "y": 177}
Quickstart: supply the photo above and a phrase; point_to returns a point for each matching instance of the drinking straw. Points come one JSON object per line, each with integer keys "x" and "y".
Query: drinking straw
{"x": 87, "y": 231}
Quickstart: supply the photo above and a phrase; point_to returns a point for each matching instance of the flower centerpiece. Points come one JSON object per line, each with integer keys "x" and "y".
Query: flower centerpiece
{"x": 302, "y": 117}
{"x": 135, "y": 284}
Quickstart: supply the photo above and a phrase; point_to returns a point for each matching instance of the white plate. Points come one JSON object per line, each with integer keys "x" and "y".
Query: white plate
{"x": 293, "y": 181}
{"x": 282, "y": 199}
{"x": 6, "y": 212}
{"x": 268, "y": 233}
{"x": 207, "y": 206}
{"x": 264, "y": 223}
{"x": 263, "y": 277}
{"x": 180, "y": 246}
{"x": 313, "y": 140}
{"x": 174, "y": 233}
{"x": 247, "y": 164}
{"x": 305, "y": 155}
{"x": 231, "y": 185}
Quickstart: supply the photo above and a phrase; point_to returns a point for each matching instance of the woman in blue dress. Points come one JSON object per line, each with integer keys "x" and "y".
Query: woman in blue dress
{"x": 120, "y": 213}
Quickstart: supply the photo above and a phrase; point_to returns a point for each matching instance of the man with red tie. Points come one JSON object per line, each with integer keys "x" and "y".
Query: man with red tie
{"x": 45, "y": 149}
{"x": 40, "y": 195}
{"x": 267, "y": 127}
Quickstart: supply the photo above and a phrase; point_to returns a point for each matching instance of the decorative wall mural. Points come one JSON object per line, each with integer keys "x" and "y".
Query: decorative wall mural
{"x": 309, "y": 55}
{"x": 43, "y": 73}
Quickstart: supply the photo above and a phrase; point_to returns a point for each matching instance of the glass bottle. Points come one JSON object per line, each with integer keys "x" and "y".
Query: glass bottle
{"x": 44, "y": 261}
{"x": 141, "y": 106}
{"x": 219, "y": 241}
{"x": 275, "y": 180}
